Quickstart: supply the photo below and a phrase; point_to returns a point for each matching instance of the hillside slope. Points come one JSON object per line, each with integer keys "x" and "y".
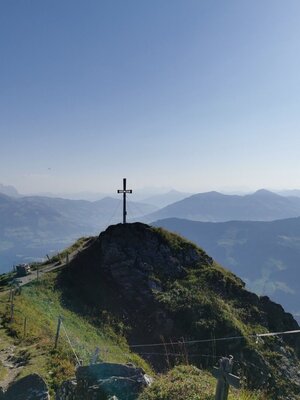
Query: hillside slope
{"x": 265, "y": 254}
{"x": 29, "y": 348}
{"x": 33, "y": 352}
{"x": 162, "y": 288}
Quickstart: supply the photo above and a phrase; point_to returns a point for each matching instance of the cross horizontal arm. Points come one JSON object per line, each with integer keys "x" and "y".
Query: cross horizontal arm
{"x": 124, "y": 191}
{"x": 233, "y": 381}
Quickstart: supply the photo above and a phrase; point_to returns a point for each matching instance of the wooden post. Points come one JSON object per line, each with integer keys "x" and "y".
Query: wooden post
{"x": 25, "y": 327}
{"x": 95, "y": 356}
{"x": 57, "y": 331}
{"x": 225, "y": 378}
{"x": 10, "y": 295}
{"x": 12, "y": 306}
{"x": 37, "y": 273}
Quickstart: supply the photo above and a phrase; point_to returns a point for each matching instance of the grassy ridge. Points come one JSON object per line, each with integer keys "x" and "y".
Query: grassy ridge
{"x": 190, "y": 383}
{"x": 40, "y": 303}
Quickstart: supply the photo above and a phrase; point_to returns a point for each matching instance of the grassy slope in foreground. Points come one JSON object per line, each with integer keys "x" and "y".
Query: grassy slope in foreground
{"x": 40, "y": 302}
{"x": 186, "y": 382}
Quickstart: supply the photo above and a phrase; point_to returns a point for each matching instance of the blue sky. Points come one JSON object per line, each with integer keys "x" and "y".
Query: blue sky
{"x": 192, "y": 94}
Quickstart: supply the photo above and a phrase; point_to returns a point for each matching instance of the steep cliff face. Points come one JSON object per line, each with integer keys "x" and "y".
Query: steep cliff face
{"x": 161, "y": 287}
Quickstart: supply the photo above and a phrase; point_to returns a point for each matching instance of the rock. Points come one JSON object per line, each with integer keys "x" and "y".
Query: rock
{"x": 67, "y": 390}
{"x": 31, "y": 387}
{"x": 105, "y": 381}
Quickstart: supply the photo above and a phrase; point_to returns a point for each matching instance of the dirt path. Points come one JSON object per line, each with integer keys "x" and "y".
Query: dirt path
{"x": 10, "y": 364}
{"x": 33, "y": 276}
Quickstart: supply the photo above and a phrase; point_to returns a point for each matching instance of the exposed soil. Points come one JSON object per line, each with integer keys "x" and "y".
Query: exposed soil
{"x": 12, "y": 364}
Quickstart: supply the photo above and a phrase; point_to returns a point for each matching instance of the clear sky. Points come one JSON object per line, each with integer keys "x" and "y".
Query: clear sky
{"x": 192, "y": 94}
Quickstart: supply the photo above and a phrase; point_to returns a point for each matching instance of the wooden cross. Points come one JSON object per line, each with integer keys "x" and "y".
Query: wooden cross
{"x": 225, "y": 378}
{"x": 124, "y": 191}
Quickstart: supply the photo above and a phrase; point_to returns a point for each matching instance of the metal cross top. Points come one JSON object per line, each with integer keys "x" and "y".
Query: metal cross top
{"x": 225, "y": 378}
{"x": 124, "y": 191}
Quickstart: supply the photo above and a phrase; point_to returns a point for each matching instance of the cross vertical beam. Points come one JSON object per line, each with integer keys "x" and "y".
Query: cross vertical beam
{"x": 124, "y": 192}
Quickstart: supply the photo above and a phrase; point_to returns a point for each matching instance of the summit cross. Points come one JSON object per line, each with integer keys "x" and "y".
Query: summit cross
{"x": 124, "y": 191}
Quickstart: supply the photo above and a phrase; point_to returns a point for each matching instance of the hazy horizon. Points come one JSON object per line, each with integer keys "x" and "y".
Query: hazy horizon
{"x": 145, "y": 192}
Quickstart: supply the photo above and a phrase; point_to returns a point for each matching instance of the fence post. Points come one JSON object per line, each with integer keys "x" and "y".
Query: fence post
{"x": 25, "y": 327}
{"x": 225, "y": 378}
{"x": 57, "y": 332}
{"x": 95, "y": 356}
{"x": 10, "y": 295}
{"x": 12, "y": 306}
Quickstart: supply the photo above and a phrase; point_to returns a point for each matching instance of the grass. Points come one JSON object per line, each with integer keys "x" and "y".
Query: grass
{"x": 5, "y": 280}
{"x": 41, "y": 304}
{"x": 175, "y": 241}
{"x": 189, "y": 383}
{"x": 61, "y": 256}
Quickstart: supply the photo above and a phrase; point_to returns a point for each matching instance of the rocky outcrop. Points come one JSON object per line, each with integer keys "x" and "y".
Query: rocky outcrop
{"x": 105, "y": 381}
{"x": 131, "y": 263}
{"x": 31, "y": 387}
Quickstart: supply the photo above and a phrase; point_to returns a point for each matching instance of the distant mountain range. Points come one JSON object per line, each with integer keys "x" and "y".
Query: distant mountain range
{"x": 290, "y": 192}
{"x": 266, "y": 255}
{"x": 164, "y": 199}
{"x": 9, "y": 190}
{"x": 216, "y": 207}
{"x": 30, "y": 227}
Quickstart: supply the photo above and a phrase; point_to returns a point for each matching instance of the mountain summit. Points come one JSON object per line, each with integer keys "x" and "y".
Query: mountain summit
{"x": 161, "y": 288}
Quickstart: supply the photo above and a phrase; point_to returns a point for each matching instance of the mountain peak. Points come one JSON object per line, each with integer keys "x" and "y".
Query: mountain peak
{"x": 9, "y": 190}
{"x": 160, "y": 285}
{"x": 265, "y": 193}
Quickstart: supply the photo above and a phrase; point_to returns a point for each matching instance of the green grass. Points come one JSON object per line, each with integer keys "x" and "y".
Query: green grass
{"x": 190, "y": 383}
{"x": 41, "y": 304}
{"x": 5, "y": 280}
{"x": 61, "y": 256}
{"x": 175, "y": 241}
